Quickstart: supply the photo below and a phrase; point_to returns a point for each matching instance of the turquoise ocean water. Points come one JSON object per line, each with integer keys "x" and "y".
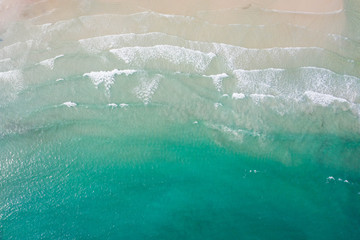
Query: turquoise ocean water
{"x": 146, "y": 125}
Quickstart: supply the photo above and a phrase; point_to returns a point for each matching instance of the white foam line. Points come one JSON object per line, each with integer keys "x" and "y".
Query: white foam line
{"x": 138, "y": 13}
{"x": 242, "y": 25}
{"x": 216, "y": 24}
{"x": 107, "y": 42}
{"x": 329, "y": 71}
{"x": 69, "y": 104}
{"x": 237, "y": 96}
{"x": 193, "y": 44}
{"x": 323, "y": 99}
{"x": 259, "y": 70}
{"x": 44, "y": 14}
{"x": 123, "y": 105}
{"x": 112, "y": 36}
{"x": 331, "y": 178}
{"x": 50, "y": 62}
{"x": 272, "y": 10}
{"x": 317, "y": 88}
{"x": 112, "y": 105}
{"x": 183, "y": 16}
{"x": 173, "y": 15}
{"x": 172, "y": 54}
{"x": 107, "y": 77}
{"x": 222, "y": 9}
{"x": 217, "y": 80}
{"x": 222, "y": 25}
{"x": 103, "y": 76}
{"x": 301, "y": 12}
{"x": 284, "y": 69}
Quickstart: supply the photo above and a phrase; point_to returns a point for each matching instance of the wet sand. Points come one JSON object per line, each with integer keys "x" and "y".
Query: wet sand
{"x": 304, "y": 6}
{"x": 322, "y": 16}
{"x": 309, "y": 6}
{"x": 10, "y": 10}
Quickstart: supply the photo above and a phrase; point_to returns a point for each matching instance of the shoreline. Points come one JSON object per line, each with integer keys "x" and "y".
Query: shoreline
{"x": 11, "y": 10}
{"x": 327, "y": 18}
{"x": 308, "y": 6}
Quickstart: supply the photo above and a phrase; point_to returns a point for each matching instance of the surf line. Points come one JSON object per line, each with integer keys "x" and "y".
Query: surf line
{"x": 300, "y": 12}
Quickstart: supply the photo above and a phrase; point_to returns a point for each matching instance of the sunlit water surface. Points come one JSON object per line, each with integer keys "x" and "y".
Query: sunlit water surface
{"x": 121, "y": 122}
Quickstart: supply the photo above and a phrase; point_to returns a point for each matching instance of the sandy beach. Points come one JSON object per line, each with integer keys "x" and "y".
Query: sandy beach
{"x": 305, "y": 6}
{"x": 323, "y": 15}
{"x": 11, "y": 10}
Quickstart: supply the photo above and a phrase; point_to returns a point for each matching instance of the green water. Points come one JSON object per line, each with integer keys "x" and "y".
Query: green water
{"x": 173, "y": 184}
{"x": 130, "y": 181}
{"x": 172, "y": 127}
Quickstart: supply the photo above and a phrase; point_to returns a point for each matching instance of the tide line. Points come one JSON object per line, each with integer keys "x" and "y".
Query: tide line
{"x": 301, "y": 12}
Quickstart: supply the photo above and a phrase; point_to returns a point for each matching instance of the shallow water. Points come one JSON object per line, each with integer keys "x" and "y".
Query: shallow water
{"x": 119, "y": 122}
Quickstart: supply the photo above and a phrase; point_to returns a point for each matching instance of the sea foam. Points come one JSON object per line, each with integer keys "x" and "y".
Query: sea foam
{"x": 107, "y": 42}
{"x": 147, "y": 88}
{"x": 140, "y": 56}
{"x": 11, "y": 83}
{"x": 237, "y": 96}
{"x": 323, "y": 99}
{"x": 292, "y": 83}
{"x": 50, "y": 62}
{"x": 107, "y": 77}
{"x": 69, "y": 104}
{"x": 235, "y": 57}
{"x": 217, "y": 80}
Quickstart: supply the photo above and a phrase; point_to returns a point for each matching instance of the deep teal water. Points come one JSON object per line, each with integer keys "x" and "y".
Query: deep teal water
{"x": 175, "y": 184}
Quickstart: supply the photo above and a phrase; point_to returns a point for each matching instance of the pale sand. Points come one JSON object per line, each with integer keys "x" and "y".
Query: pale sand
{"x": 304, "y": 6}
{"x": 300, "y": 6}
{"x": 316, "y": 15}
{"x": 13, "y": 9}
